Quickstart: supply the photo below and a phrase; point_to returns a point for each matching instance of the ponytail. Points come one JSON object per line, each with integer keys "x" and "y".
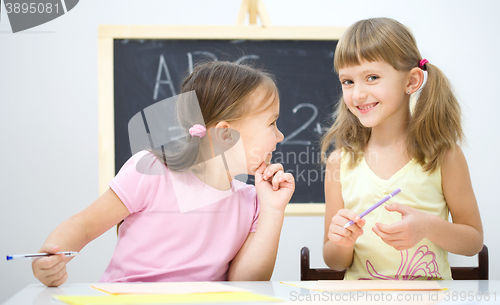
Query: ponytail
{"x": 179, "y": 156}
{"x": 182, "y": 153}
{"x": 435, "y": 124}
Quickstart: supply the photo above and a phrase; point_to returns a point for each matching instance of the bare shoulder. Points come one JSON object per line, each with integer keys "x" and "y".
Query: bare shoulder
{"x": 334, "y": 159}
{"x": 456, "y": 182}
{"x": 454, "y": 162}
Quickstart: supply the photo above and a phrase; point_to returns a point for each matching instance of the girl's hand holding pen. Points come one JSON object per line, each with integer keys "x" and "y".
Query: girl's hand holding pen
{"x": 345, "y": 237}
{"x": 50, "y": 270}
{"x": 274, "y": 186}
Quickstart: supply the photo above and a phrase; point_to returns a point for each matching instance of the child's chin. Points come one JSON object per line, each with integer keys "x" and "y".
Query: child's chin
{"x": 252, "y": 169}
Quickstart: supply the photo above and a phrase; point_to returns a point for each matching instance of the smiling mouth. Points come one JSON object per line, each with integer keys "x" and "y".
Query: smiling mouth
{"x": 365, "y": 107}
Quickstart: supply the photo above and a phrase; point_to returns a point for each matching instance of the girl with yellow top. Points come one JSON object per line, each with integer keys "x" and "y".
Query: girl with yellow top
{"x": 381, "y": 144}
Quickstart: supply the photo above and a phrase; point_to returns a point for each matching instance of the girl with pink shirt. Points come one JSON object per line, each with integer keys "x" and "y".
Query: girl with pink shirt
{"x": 182, "y": 215}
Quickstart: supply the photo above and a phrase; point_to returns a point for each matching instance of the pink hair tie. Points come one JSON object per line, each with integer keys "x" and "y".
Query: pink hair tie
{"x": 197, "y": 131}
{"x": 422, "y": 64}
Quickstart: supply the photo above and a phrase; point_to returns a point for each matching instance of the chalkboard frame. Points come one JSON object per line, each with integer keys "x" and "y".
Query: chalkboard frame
{"x": 108, "y": 33}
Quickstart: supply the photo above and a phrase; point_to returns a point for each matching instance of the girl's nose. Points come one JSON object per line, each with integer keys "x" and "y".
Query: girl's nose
{"x": 359, "y": 93}
{"x": 279, "y": 136}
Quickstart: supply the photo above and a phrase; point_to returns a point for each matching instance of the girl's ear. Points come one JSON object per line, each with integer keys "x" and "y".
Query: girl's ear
{"x": 223, "y": 134}
{"x": 415, "y": 80}
{"x": 222, "y": 124}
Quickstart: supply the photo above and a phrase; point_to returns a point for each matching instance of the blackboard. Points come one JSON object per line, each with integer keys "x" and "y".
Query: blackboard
{"x": 146, "y": 71}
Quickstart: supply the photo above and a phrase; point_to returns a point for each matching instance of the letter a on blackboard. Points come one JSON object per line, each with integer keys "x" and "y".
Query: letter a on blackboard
{"x": 159, "y": 81}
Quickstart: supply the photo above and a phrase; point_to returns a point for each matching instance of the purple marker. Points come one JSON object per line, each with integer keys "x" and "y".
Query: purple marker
{"x": 373, "y": 207}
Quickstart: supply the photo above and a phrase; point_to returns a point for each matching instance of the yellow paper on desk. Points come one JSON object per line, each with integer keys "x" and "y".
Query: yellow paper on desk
{"x": 377, "y": 286}
{"x": 166, "y": 288}
{"x": 216, "y": 297}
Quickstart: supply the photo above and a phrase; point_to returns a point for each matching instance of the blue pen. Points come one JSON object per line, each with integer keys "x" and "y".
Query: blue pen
{"x": 38, "y": 255}
{"x": 373, "y": 207}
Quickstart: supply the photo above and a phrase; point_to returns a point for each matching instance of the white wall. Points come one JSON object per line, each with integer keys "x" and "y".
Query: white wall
{"x": 48, "y": 122}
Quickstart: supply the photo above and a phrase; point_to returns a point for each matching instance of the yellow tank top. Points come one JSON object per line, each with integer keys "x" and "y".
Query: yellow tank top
{"x": 373, "y": 258}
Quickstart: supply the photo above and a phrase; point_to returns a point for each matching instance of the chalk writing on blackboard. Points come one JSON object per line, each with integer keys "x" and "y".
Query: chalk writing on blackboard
{"x": 163, "y": 67}
{"x": 147, "y": 71}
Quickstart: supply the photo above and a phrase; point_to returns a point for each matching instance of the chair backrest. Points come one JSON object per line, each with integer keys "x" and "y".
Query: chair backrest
{"x": 457, "y": 273}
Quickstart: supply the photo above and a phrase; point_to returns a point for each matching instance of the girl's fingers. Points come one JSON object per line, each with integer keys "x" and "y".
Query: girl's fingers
{"x": 350, "y": 215}
{"x": 49, "y": 262}
{"x": 353, "y": 230}
{"x": 59, "y": 281}
{"x": 274, "y": 174}
{"x": 59, "y": 272}
{"x": 335, "y": 238}
{"x": 288, "y": 177}
{"x": 51, "y": 249}
{"x": 389, "y": 229}
{"x": 387, "y": 238}
{"x": 59, "y": 267}
{"x": 282, "y": 177}
{"x": 53, "y": 274}
{"x": 259, "y": 172}
{"x": 50, "y": 270}
{"x": 49, "y": 279}
{"x": 344, "y": 236}
{"x": 277, "y": 179}
{"x": 271, "y": 170}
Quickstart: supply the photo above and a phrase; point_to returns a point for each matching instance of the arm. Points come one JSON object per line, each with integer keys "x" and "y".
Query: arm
{"x": 256, "y": 258}
{"x": 459, "y": 196}
{"x": 461, "y": 201}
{"x": 338, "y": 246}
{"x": 76, "y": 232}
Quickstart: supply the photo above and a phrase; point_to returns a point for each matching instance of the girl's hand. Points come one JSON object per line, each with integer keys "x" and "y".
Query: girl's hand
{"x": 50, "y": 270}
{"x": 274, "y": 187}
{"x": 407, "y": 232}
{"x": 348, "y": 236}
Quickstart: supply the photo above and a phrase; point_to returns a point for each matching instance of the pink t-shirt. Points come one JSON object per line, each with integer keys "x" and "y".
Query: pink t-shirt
{"x": 165, "y": 239}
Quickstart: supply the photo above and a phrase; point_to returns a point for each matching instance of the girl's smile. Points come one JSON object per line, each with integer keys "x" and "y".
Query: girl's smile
{"x": 366, "y": 107}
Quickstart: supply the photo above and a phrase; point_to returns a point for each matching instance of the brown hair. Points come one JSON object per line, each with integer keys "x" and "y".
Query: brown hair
{"x": 222, "y": 89}
{"x": 435, "y": 123}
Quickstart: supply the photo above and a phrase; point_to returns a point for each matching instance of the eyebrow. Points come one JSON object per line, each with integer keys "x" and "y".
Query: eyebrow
{"x": 369, "y": 71}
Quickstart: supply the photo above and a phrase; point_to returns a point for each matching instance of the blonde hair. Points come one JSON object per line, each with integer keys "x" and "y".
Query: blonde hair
{"x": 434, "y": 126}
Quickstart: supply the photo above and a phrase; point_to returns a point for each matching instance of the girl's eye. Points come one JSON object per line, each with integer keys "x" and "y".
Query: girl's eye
{"x": 347, "y": 82}
{"x": 273, "y": 123}
{"x": 372, "y": 78}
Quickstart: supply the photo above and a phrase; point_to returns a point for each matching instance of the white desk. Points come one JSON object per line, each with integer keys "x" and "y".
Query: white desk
{"x": 38, "y": 294}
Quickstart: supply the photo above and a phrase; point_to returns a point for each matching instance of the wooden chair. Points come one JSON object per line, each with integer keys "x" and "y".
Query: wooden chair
{"x": 457, "y": 273}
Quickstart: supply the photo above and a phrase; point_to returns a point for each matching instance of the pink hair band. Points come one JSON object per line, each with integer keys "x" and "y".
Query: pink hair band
{"x": 198, "y": 131}
{"x": 422, "y": 64}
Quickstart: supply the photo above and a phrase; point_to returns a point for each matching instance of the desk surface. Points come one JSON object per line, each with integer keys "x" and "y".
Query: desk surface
{"x": 458, "y": 292}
